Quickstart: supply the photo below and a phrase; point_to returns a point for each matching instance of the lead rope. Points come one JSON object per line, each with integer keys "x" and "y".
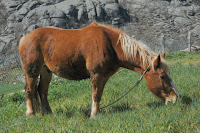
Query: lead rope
{"x": 136, "y": 84}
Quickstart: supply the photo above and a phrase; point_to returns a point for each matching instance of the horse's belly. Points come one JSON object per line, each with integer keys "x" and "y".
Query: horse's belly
{"x": 73, "y": 68}
{"x": 72, "y": 73}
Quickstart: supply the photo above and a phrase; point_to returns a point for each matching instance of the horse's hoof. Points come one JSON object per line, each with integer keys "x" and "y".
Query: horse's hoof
{"x": 29, "y": 113}
{"x": 92, "y": 116}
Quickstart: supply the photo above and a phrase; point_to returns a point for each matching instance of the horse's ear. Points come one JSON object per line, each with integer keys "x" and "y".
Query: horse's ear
{"x": 163, "y": 55}
{"x": 157, "y": 62}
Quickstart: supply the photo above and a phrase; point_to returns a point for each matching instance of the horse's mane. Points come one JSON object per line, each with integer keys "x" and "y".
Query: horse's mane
{"x": 109, "y": 27}
{"x": 132, "y": 48}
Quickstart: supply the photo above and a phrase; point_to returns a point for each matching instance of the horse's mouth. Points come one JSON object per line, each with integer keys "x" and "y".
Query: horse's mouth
{"x": 171, "y": 98}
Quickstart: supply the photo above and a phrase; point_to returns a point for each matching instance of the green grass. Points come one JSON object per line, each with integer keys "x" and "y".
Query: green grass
{"x": 139, "y": 111}
{"x": 184, "y": 57}
{"x": 9, "y": 80}
{"x": 8, "y": 88}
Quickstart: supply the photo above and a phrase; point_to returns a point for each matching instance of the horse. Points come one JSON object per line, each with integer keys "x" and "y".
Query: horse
{"x": 96, "y": 51}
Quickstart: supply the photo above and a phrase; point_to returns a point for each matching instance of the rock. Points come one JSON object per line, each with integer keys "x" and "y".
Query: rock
{"x": 32, "y": 27}
{"x": 90, "y": 9}
{"x": 20, "y": 14}
{"x": 196, "y": 31}
{"x": 112, "y": 10}
{"x": 5, "y": 40}
{"x": 2, "y": 46}
{"x": 175, "y": 3}
{"x": 13, "y": 4}
{"x": 80, "y": 12}
{"x": 33, "y": 4}
{"x": 99, "y": 12}
{"x": 66, "y": 5}
{"x": 181, "y": 21}
{"x": 193, "y": 48}
{"x": 116, "y": 21}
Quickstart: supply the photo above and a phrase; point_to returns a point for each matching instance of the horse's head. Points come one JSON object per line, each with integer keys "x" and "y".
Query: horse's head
{"x": 160, "y": 82}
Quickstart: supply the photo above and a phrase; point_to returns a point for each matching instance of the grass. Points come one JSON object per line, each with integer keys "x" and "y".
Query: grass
{"x": 139, "y": 111}
{"x": 11, "y": 80}
{"x": 184, "y": 57}
{"x": 9, "y": 88}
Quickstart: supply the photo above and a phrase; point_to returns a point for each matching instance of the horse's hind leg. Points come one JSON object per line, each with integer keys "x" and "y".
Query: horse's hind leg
{"x": 31, "y": 89}
{"x": 45, "y": 78}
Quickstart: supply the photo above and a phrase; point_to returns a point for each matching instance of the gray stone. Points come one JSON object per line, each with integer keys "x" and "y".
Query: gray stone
{"x": 99, "y": 11}
{"x": 33, "y": 4}
{"x": 181, "y": 21}
{"x": 196, "y": 31}
{"x": 90, "y": 9}
{"x": 175, "y": 3}
{"x": 112, "y": 10}
{"x": 22, "y": 11}
{"x": 13, "y": 4}
{"x": 32, "y": 27}
{"x": 2, "y": 45}
{"x": 66, "y": 5}
{"x": 116, "y": 21}
{"x": 177, "y": 11}
{"x": 11, "y": 17}
{"x": 107, "y": 1}
{"x": 80, "y": 12}
{"x": 5, "y": 40}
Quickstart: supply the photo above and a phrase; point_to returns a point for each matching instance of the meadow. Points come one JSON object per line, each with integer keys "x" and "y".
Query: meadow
{"x": 139, "y": 111}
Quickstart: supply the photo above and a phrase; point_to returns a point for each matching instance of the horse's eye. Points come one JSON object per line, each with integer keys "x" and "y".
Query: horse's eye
{"x": 162, "y": 77}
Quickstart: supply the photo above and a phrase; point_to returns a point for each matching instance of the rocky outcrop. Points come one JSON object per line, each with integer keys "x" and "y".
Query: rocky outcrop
{"x": 27, "y": 15}
{"x": 147, "y": 20}
{"x": 173, "y": 18}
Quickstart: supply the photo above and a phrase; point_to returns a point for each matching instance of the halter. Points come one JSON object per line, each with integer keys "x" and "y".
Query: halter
{"x": 136, "y": 84}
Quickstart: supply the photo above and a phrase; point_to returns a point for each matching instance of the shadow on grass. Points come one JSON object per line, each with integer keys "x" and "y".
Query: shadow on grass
{"x": 118, "y": 108}
{"x": 67, "y": 113}
{"x": 155, "y": 104}
{"x": 185, "y": 100}
{"x": 111, "y": 109}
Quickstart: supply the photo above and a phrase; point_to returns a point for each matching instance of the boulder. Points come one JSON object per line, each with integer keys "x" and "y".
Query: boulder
{"x": 182, "y": 21}
{"x": 90, "y": 9}
{"x": 112, "y": 10}
{"x": 196, "y": 31}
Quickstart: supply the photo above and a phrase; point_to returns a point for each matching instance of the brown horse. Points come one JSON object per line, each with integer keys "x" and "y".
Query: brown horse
{"x": 97, "y": 52}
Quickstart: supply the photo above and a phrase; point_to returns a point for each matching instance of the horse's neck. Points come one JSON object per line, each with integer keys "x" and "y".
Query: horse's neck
{"x": 134, "y": 54}
{"x": 134, "y": 64}
{"x": 130, "y": 63}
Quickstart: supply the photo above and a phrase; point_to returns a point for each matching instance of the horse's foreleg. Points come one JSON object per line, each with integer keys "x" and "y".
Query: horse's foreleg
{"x": 98, "y": 84}
{"x": 45, "y": 78}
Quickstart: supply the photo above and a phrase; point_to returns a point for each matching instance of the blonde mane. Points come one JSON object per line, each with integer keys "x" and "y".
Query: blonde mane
{"x": 110, "y": 27}
{"x": 132, "y": 48}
